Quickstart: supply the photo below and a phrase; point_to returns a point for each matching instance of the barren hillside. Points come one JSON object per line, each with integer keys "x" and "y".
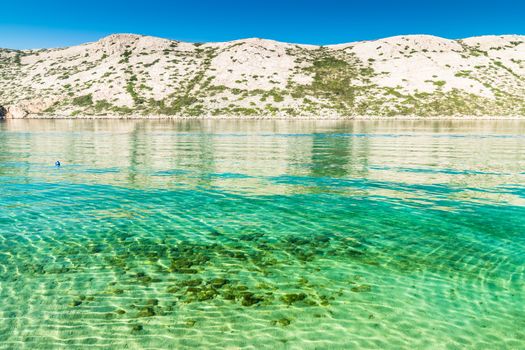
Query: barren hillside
{"x": 131, "y": 75}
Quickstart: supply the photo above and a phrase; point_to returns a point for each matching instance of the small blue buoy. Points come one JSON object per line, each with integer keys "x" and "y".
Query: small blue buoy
{"x": 57, "y": 164}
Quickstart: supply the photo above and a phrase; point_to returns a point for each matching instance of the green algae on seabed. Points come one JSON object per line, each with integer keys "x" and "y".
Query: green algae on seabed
{"x": 331, "y": 236}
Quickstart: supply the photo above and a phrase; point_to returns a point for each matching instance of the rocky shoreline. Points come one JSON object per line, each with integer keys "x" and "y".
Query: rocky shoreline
{"x": 251, "y": 117}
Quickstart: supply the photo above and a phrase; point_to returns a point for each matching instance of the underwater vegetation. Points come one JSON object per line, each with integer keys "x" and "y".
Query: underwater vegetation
{"x": 243, "y": 267}
{"x": 191, "y": 271}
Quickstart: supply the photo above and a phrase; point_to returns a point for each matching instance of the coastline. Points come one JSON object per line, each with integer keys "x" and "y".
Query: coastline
{"x": 290, "y": 118}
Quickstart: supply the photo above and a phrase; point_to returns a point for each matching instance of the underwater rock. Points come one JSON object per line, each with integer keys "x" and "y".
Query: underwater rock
{"x": 181, "y": 263}
{"x": 303, "y": 281}
{"x": 363, "y": 288}
{"x": 283, "y": 322}
{"x": 116, "y": 291}
{"x": 145, "y": 279}
{"x": 192, "y": 282}
{"x": 173, "y": 289}
{"x": 75, "y": 302}
{"x": 218, "y": 282}
{"x": 229, "y": 295}
{"x": 237, "y": 255}
{"x": 188, "y": 255}
{"x": 137, "y": 328}
{"x": 202, "y": 293}
{"x": 109, "y": 315}
{"x": 264, "y": 285}
{"x": 147, "y": 311}
{"x": 241, "y": 287}
{"x": 291, "y": 298}
{"x": 234, "y": 292}
{"x": 207, "y": 294}
{"x": 95, "y": 249}
{"x": 325, "y": 300}
{"x": 120, "y": 312}
{"x": 153, "y": 302}
{"x": 249, "y": 299}
{"x": 193, "y": 290}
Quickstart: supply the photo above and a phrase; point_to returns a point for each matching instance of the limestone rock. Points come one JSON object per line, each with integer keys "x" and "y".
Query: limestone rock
{"x": 16, "y": 112}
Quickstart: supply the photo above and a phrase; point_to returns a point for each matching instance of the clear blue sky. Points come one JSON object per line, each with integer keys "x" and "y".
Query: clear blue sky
{"x": 41, "y": 23}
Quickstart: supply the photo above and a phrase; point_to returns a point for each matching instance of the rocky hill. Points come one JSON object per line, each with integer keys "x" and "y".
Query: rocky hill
{"x": 131, "y": 75}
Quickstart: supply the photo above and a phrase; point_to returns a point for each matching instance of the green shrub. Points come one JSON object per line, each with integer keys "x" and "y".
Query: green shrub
{"x": 83, "y": 101}
{"x": 125, "y": 56}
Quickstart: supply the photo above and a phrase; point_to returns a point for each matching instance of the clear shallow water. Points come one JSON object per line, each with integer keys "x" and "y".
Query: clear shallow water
{"x": 283, "y": 235}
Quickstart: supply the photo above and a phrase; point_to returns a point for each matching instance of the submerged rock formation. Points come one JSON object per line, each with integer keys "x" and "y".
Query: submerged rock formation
{"x": 132, "y": 75}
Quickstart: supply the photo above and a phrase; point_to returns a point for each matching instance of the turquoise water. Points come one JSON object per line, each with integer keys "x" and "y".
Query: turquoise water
{"x": 262, "y": 234}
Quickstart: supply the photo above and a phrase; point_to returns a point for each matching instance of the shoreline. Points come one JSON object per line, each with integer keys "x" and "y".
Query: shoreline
{"x": 284, "y": 118}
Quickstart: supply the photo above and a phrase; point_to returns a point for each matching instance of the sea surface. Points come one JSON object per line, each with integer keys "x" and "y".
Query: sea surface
{"x": 262, "y": 234}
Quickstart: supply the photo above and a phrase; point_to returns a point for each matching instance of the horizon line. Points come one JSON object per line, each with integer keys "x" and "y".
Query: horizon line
{"x": 264, "y": 39}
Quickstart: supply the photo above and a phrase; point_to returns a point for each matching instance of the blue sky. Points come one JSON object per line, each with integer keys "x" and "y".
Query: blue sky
{"x": 40, "y": 23}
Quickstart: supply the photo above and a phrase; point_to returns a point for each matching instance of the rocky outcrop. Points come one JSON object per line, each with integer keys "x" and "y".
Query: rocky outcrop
{"x": 16, "y": 112}
{"x": 26, "y": 108}
{"x": 3, "y": 112}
